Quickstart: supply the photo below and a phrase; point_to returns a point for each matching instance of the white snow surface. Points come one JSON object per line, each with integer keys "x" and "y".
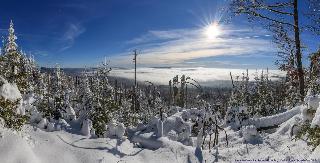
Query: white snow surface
{"x": 33, "y": 145}
{"x": 38, "y": 146}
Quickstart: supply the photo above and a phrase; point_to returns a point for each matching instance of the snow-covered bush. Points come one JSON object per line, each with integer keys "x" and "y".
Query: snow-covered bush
{"x": 185, "y": 115}
{"x": 311, "y": 122}
{"x": 2, "y": 122}
{"x": 9, "y": 91}
{"x": 35, "y": 116}
{"x": 313, "y": 82}
{"x": 308, "y": 112}
{"x": 235, "y": 117}
{"x": 62, "y": 124}
{"x": 173, "y": 110}
{"x": 174, "y": 123}
{"x": 208, "y": 124}
{"x": 70, "y": 113}
{"x": 312, "y": 102}
{"x": 316, "y": 119}
{"x": 312, "y": 133}
{"x": 172, "y": 135}
{"x": 101, "y": 116}
{"x": 10, "y": 103}
{"x": 115, "y": 130}
{"x": 120, "y": 130}
{"x": 194, "y": 114}
{"x": 261, "y": 97}
{"x": 43, "y": 123}
{"x": 140, "y": 127}
{"x": 111, "y": 129}
{"x": 249, "y": 133}
{"x": 51, "y": 127}
{"x": 86, "y": 127}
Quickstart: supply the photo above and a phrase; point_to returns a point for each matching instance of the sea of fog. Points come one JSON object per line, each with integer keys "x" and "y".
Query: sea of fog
{"x": 205, "y": 76}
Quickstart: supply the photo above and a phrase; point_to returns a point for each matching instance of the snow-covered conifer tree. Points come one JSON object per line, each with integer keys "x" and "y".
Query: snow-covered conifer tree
{"x": 13, "y": 62}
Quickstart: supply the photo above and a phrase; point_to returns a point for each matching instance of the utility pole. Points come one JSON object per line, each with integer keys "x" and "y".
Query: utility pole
{"x": 135, "y": 83}
{"x": 135, "y": 67}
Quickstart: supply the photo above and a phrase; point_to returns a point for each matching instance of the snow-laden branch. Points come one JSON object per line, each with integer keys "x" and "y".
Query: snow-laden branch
{"x": 275, "y": 119}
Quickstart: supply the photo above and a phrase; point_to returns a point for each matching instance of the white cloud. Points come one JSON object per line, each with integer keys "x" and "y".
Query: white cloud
{"x": 72, "y": 32}
{"x": 206, "y": 76}
{"x": 181, "y": 45}
{"x": 42, "y": 53}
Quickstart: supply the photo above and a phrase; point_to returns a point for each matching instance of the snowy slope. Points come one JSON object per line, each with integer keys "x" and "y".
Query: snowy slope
{"x": 273, "y": 147}
{"x": 37, "y": 146}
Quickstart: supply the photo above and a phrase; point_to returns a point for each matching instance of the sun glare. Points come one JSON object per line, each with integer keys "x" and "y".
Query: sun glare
{"x": 212, "y": 31}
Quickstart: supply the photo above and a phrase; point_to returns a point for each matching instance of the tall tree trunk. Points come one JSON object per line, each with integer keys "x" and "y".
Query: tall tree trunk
{"x": 298, "y": 48}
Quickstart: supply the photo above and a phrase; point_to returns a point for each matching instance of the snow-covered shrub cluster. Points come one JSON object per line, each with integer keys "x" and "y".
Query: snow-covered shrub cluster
{"x": 310, "y": 120}
{"x": 86, "y": 128}
{"x": 52, "y": 125}
{"x": 11, "y": 111}
{"x": 249, "y": 133}
{"x": 114, "y": 129}
{"x": 183, "y": 124}
{"x": 261, "y": 97}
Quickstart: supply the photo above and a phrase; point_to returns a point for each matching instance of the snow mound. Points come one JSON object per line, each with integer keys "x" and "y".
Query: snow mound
{"x": 316, "y": 120}
{"x": 115, "y": 130}
{"x": 249, "y": 133}
{"x": 312, "y": 102}
{"x": 286, "y": 127}
{"x": 14, "y": 149}
{"x": 43, "y": 123}
{"x": 185, "y": 115}
{"x": 306, "y": 114}
{"x": 315, "y": 154}
{"x": 2, "y": 123}
{"x": 9, "y": 91}
{"x": 86, "y": 127}
{"x": 160, "y": 128}
{"x": 277, "y": 119}
{"x": 172, "y": 123}
{"x": 70, "y": 113}
{"x": 148, "y": 141}
{"x": 50, "y": 127}
{"x": 111, "y": 129}
{"x": 120, "y": 130}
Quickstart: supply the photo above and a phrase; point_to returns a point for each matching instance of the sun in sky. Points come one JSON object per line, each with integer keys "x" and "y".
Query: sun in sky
{"x": 212, "y": 30}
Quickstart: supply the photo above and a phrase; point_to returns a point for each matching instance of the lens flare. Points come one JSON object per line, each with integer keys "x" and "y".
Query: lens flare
{"x": 212, "y": 31}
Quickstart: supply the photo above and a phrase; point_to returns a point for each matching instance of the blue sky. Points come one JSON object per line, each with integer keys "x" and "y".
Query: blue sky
{"x": 78, "y": 33}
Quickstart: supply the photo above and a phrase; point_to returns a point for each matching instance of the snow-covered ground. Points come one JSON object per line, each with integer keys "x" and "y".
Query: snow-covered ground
{"x": 33, "y": 145}
{"x": 36, "y": 146}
